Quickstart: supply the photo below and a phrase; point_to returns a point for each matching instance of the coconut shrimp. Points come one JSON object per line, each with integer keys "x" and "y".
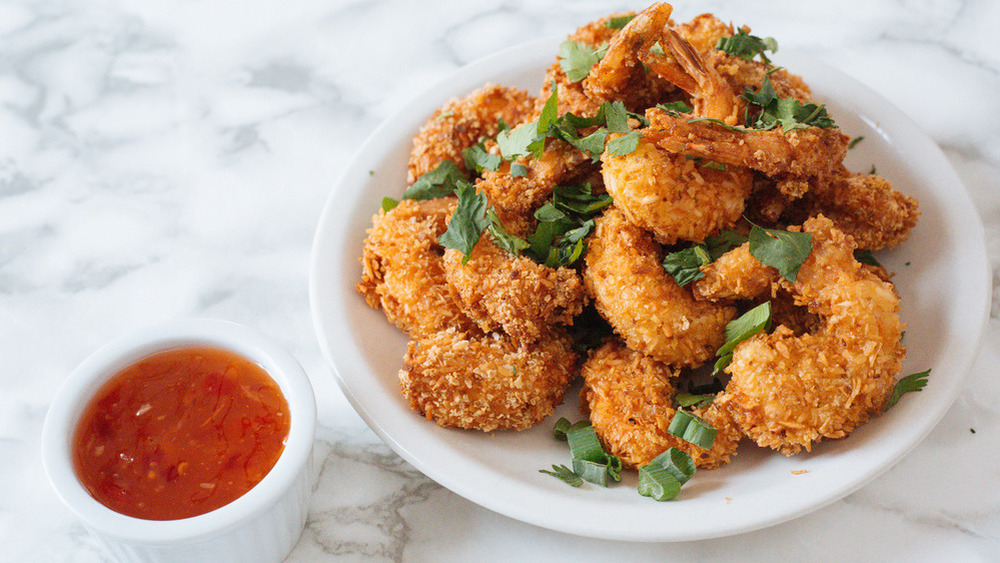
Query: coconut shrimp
{"x": 673, "y": 196}
{"x": 680, "y": 63}
{"x": 461, "y": 122}
{"x": 788, "y": 390}
{"x": 867, "y": 207}
{"x": 643, "y": 303}
{"x": 523, "y": 298}
{"x": 402, "y": 270}
{"x": 486, "y": 382}
{"x": 796, "y": 160}
{"x": 629, "y": 400}
{"x": 559, "y": 164}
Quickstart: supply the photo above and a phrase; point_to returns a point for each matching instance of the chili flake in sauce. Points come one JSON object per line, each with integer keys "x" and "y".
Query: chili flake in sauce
{"x": 180, "y": 433}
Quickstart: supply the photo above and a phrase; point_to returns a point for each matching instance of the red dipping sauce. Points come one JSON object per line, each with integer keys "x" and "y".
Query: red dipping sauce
{"x": 180, "y": 433}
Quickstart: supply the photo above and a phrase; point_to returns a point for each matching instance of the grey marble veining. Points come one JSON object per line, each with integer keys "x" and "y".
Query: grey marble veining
{"x": 163, "y": 159}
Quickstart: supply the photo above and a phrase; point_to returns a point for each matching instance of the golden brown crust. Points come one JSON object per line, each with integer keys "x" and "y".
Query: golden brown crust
{"x": 675, "y": 197}
{"x": 402, "y": 270}
{"x": 486, "y": 382}
{"x": 642, "y": 302}
{"x": 461, "y": 122}
{"x": 789, "y": 391}
{"x": 629, "y": 399}
{"x": 523, "y": 298}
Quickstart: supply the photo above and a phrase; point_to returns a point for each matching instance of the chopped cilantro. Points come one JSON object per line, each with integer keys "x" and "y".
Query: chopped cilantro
{"x": 787, "y": 112}
{"x": 439, "y": 182}
{"x": 468, "y": 222}
{"x": 746, "y": 46}
{"x": 685, "y": 265}
{"x": 784, "y": 250}
{"x": 625, "y": 144}
{"x": 618, "y": 22}
{"x": 748, "y": 324}
{"x": 865, "y": 256}
{"x": 908, "y": 384}
{"x": 388, "y": 204}
{"x": 577, "y": 58}
{"x": 478, "y": 159}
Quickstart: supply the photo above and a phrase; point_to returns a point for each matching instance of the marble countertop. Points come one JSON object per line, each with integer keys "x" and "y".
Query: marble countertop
{"x": 169, "y": 159}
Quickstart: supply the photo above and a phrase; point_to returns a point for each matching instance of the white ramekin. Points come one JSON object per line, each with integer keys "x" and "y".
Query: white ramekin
{"x": 262, "y": 525}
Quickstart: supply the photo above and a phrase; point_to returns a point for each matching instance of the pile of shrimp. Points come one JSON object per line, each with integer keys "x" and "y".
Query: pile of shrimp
{"x": 495, "y": 337}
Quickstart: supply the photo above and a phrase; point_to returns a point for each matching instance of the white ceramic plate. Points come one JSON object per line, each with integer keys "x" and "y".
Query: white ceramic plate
{"x": 941, "y": 275}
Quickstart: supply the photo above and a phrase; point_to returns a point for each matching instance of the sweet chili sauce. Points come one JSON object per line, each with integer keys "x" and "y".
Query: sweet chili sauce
{"x": 180, "y": 433}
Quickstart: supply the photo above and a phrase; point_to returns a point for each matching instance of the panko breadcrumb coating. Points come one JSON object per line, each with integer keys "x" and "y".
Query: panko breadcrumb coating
{"x": 629, "y": 399}
{"x": 523, "y": 298}
{"x": 487, "y": 382}
{"x": 675, "y": 197}
{"x": 461, "y": 122}
{"x": 402, "y": 269}
{"x": 734, "y": 275}
{"x": 789, "y": 391}
{"x": 642, "y": 302}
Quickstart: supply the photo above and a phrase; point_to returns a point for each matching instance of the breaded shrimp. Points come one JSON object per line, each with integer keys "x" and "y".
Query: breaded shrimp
{"x": 560, "y": 164}
{"x": 868, "y": 208}
{"x": 461, "y": 122}
{"x": 516, "y": 294}
{"x": 487, "y": 382}
{"x": 673, "y": 196}
{"x": 735, "y": 275}
{"x": 794, "y": 159}
{"x": 402, "y": 270}
{"x": 629, "y": 400}
{"x": 643, "y": 303}
{"x": 789, "y": 391}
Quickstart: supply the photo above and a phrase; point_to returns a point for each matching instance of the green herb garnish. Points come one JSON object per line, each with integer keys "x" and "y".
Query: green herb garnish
{"x": 746, "y": 325}
{"x": 787, "y": 112}
{"x": 565, "y": 474}
{"x": 388, "y": 204}
{"x": 577, "y": 58}
{"x": 478, "y": 158}
{"x": 439, "y": 182}
{"x": 854, "y": 142}
{"x": 780, "y": 249}
{"x": 865, "y": 256}
{"x": 618, "y": 22}
{"x": 686, "y": 400}
{"x": 685, "y": 265}
{"x": 746, "y": 46}
{"x": 590, "y": 461}
{"x": 911, "y": 383}
{"x": 468, "y": 222}
{"x": 661, "y": 479}
{"x": 692, "y": 428}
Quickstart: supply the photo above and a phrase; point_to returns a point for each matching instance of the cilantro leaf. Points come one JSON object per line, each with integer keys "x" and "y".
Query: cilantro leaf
{"x": 865, "y": 256}
{"x": 478, "y": 159}
{"x": 468, "y": 222}
{"x": 746, "y": 46}
{"x": 908, "y": 384}
{"x": 439, "y": 182}
{"x": 579, "y": 199}
{"x": 743, "y": 327}
{"x": 577, "y": 58}
{"x": 618, "y": 22}
{"x": 780, "y": 249}
{"x": 520, "y": 141}
{"x": 675, "y": 108}
{"x": 502, "y": 237}
{"x": 388, "y": 204}
{"x": 787, "y": 112}
{"x": 685, "y": 265}
{"x": 625, "y": 144}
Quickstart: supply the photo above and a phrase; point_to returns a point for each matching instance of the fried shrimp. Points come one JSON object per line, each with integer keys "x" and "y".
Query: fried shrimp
{"x": 675, "y": 197}
{"x": 868, "y": 208}
{"x": 402, "y": 269}
{"x": 789, "y": 391}
{"x": 621, "y": 69}
{"x": 488, "y": 382}
{"x": 735, "y": 275}
{"x": 643, "y": 303}
{"x": 629, "y": 399}
{"x": 523, "y": 298}
{"x": 462, "y": 122}
{"x": 794, "y": 159}
{"x": 560, "y": 164}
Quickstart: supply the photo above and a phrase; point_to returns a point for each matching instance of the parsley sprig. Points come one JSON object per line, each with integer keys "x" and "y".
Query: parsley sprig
{"x": 685, "y": 265}
{"x": 746, "y": 46}
{"x": 786, "y": 112}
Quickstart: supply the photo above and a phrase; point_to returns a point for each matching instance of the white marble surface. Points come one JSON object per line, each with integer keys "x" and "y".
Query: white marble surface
{"x": 166, "y": 159}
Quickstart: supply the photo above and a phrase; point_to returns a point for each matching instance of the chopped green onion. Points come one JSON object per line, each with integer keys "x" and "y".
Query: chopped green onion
{"x": 692, "y": 428}
{"x": 688, "y": 400}
{"x": 655, "y": 482}
{"x": 584, "y": 444}
{"x": 561, "y": 428}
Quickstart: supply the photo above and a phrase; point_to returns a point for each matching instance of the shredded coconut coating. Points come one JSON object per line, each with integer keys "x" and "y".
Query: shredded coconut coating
{"x": 486, "y": 382}
{"x": 789, "y": 391}
{"x": 461, "y": 122}
{"x": 675, "y": 197}
{"x": 643, "y": 303}
{"x": 517, "y": 295}
{"x": 629, "y": 399}
{"x": 402, "y": 269}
